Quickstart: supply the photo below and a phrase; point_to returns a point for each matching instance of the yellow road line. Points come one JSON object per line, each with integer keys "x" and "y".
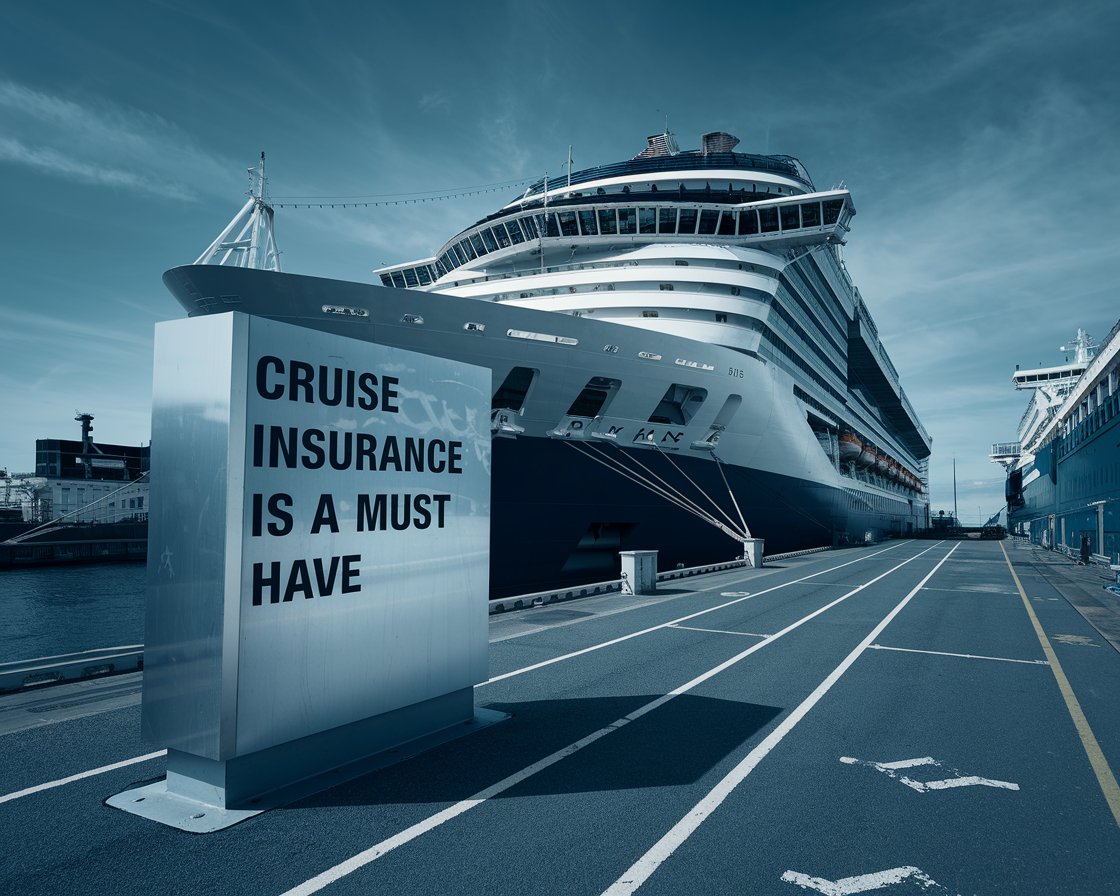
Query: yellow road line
{"x": 1105, "y": 777}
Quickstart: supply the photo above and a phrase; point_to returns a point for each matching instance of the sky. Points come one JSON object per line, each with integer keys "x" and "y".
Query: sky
{"x": 979, "y": 141}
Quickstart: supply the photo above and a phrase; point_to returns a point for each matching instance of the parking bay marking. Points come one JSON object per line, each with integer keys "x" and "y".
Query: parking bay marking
{"x": 862, "y": 883}
{"x": 892, "y": 769}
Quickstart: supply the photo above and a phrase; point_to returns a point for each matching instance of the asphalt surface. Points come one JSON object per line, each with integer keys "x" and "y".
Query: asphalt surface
{"x": 886, "y": 719}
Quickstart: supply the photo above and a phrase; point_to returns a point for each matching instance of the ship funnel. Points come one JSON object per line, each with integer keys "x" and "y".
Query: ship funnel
{"x": 718, "y": 141}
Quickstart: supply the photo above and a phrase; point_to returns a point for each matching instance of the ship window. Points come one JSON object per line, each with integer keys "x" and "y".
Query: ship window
{"x": 607, "y": 223}
{"x": 488, "y": 240}
{"x": 721, "y": 318}
{"x": 398, "y": 280}
{"x": 591, "y": 401}
{"x": 791, "y": 218}
{"x": 627, "y": 220}
{"x": 529, "y": 225}
{"x": 768, "y": 219}
{"x": 666, "y": 287}
{"x": 679, "y": 405}
{"x": 476, "y": 244}
{"x": 424, "y": 275}
{"x": 647, "y": 220}
{"x": 387, "y": 279}
{"x": 500, "y": 233}
{"x": 568, "y": 226}
{"x": 649, "y": 314}
{"x": 708, "y": 219}
{"x": 461, "y": 253}
{"x": 667, "y": 220}
{"x": 688, "y": 221}
{"x": 587, "y": 223}
{"x": 514, "y": 388}
{"x": 515, "y": 232}
{"x": 726, "y": 224}
{"x": 410, "y": 277}
{"x": 550, "y": 226}
{"x": 748, "y": 222}
{"x": 832, "y": 210}
{"x": 811, "y": 214}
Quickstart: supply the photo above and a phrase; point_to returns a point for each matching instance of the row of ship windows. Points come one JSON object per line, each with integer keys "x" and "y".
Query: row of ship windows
{"x": 618, "y": 221}
{"x": 677, "y": 407}
{"x": 1073, "y": 434}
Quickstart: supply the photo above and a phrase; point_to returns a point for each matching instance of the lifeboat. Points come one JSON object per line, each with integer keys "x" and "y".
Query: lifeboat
{"x": 881, "y": 461}
{"x": 867, "y": 456}
{"x": 850, "y": 447}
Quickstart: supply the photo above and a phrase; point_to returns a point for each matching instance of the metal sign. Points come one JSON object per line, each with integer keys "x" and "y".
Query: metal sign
{"x": 318, "y": 551}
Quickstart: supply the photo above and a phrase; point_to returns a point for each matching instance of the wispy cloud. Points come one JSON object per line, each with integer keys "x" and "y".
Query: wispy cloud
{"x": 104, "y": 144}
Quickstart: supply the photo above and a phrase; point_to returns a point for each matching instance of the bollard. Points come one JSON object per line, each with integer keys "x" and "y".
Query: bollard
{"x": 752, "y": 551}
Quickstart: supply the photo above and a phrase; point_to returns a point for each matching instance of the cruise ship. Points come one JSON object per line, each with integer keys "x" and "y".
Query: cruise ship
{"x": 1063, "y": 474}
{"x": 680, "y": 359}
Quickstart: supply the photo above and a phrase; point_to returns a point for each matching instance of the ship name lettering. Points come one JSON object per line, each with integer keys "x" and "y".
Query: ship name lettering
{"x": 735, "y": 371}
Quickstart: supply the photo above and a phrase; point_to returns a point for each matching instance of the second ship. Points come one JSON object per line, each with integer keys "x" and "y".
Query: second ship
{"x": 680, "y": 360}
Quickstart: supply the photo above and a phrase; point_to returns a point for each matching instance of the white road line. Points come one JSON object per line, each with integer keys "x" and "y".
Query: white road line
{"x": 567, "y": 656}
{"x": 27, "y": 791}
{"x": 718, "y": 631}
{"x": 963, "y": 656}
{"x": 375, "y": 852}
{"x": 97, "y": 771}
{"x": 641, "y": 870}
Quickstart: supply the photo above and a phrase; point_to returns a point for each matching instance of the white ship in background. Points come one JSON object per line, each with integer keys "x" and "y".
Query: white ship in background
{"x": 680, "y": 360}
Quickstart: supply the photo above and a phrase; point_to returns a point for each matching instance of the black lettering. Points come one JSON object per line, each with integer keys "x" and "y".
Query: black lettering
{"x": 441, "y": 504}
{"x": 367, "y": 383}
{"x": 298, "y": 580}
{"x": 282, "y": 441}
{"x": 350, "y": 573}
{"x": 260, "y": 582}
{"x": 326, "y": 586}
{"x": 455, "y": 458}
{"x": 324, "y": 515}
{"x": 676, "y": 437}
{"x": 341, "y": 460}
{"x": 258, "y": 444}
{"x": 312, "y": 444}
{"x": 414, "y": 455}
{"x": 326, "y": 396}
{"x": 390, "y": 454}
{"x": 389, "y": 394}
{"x": 364, "y": 453}
{"x": 436, "y": 463}
{"x": 258, "y": 513}
{"x": 371, "y": 518}
{"x": 263, "y": 389}
{"x": 423, "y": 517}
{"x": 279, "y": 513}
{"x": 402, "y": 520}
{"x": 302, "y": 377}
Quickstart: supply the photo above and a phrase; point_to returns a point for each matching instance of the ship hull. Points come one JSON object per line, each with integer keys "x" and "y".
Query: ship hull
{"x": 559, "y": 515}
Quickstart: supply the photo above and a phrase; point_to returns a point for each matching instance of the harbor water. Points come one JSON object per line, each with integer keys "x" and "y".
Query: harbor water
{"x": 62, "y": 609}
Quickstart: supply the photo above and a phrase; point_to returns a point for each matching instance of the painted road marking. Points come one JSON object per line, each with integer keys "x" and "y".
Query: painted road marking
{"x": 718, "y": 631}
{"x": 27, "y": 791}
{"x": 1076, "y": 640}
{"x": 375, "y": 852}
{"x": 862, "y": 883}
{"x": 567, "y": 656}
{"x": 964, "y": 656}
{"x": 638, "y": 873}
{"x": 1105, "y": 778}
{"x": 891, "y": 770}
{"x": 734, "y": 594}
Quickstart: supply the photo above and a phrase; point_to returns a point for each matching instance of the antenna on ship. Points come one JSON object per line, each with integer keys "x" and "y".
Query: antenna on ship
{"x": 248, "y": 240}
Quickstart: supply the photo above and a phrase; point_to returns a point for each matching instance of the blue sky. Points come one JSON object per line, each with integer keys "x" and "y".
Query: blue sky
{"x": 979, "y": 141}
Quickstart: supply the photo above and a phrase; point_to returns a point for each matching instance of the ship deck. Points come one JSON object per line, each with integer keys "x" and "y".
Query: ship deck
{"x": 910, "y": 717}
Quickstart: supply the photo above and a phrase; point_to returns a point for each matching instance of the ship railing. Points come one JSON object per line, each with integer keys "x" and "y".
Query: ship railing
{"x": 1006, "y": 449}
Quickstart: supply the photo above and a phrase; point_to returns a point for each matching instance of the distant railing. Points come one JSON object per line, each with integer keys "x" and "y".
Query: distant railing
{"x": 1003, "y": 449}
